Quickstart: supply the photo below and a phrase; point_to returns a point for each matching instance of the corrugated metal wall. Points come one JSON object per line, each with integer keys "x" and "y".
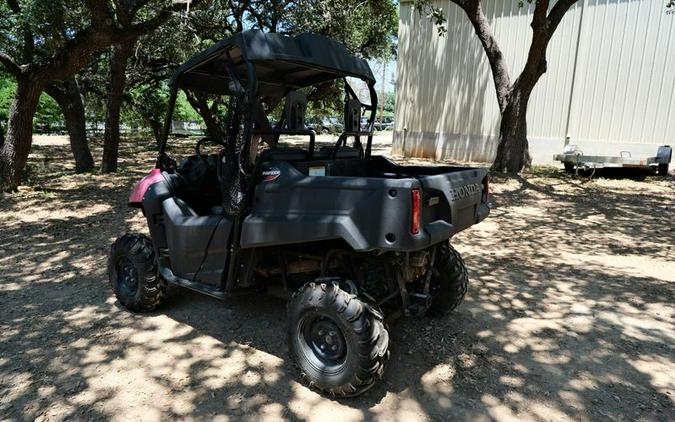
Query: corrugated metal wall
{"x": 622, "y": 90}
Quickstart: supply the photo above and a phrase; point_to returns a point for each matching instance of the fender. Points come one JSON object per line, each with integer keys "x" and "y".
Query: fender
{"x": 138, "y": 192}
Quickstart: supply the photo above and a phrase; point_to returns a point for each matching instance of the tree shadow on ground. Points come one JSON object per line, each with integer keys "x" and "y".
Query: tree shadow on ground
{"x": 569, "y": 316}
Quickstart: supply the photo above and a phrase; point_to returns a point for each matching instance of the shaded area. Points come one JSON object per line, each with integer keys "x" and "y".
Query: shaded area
{"x": 569, "y": 315}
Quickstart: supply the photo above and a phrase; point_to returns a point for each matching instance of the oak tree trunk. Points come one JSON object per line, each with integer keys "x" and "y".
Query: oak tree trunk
{"x": 69, "y": 98}
{"x": 15, "y": 149}
{"x": 111, "y": 137}
{"x": 156, "y": 127}
{"x": 512, "y": 151}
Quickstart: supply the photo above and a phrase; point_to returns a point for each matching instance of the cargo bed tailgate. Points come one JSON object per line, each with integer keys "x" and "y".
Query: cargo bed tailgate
{"x": 458, "y": 198}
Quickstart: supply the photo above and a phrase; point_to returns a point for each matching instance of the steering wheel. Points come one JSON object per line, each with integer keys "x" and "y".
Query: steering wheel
{"x": 198, "y": 152}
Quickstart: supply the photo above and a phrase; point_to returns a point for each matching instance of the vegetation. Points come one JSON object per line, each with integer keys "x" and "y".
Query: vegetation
{"x": 69, "y": 65}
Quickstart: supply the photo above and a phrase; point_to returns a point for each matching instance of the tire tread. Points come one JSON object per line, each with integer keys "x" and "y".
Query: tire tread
{"x": 152, "y": 287}
{"x": 368, "y": 325}
{"x": 454, "y": 281}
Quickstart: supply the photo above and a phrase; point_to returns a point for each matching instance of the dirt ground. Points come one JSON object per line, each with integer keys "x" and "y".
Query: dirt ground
{"x": 569, "y": 315}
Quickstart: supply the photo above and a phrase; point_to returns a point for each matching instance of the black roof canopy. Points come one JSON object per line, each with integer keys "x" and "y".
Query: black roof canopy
{"x": 281, "y": 63}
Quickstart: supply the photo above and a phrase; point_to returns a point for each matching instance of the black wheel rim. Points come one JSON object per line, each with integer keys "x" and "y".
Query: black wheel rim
{"x": 127, "y": 279}
{"x": 322, "y": 342}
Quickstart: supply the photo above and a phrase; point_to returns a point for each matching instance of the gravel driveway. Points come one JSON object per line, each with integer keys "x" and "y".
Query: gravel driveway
{"x": 569, "y": 315}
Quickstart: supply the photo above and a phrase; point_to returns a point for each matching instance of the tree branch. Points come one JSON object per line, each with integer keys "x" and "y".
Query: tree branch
{"x": 156, "y": 21}
{"x": 28, "y": 43}
{"x": 500, "y": 72}
{"x": 10, "y": 64}
{"x": 535, "y": 66}
{"x": 14, "y": 6}
{"x": 122, "y": 13}
{"x": 99, "y": 10}
{"x": 557, "y": 12}
{"x": 57, "y": 92}
{"x": 138, "y": 5}
{"x": 76, "y": 52}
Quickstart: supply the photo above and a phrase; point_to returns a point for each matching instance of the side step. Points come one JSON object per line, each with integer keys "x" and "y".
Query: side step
{"x": 204, "y": 288}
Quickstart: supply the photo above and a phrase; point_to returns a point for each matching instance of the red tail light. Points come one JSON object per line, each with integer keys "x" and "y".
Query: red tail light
{"x": 415, "y": 211}
{"x": 486, "y": 189}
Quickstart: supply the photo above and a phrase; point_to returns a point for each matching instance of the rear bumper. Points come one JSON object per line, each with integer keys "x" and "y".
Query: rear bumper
{"x": 482, "y": 212}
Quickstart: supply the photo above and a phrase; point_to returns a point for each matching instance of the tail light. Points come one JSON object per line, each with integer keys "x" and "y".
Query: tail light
{"x": 416, "y": 211}
{"x": 486, "y": 189}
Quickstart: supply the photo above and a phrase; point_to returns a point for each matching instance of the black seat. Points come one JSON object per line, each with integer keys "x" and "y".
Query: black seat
{"x": 189, "y": 236}
{"x": 284, "y": 154}
{"x": 184, "y": 207}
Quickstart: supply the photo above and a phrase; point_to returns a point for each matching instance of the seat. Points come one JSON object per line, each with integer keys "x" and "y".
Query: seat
{"x": 197, "y": 244}
{"x": 284, "y": 154}
{"x": 184, "y": 208}
{"x": 217, "y": 210}
{"x": 294, "y": 110}
{"x": 353, "y": 115}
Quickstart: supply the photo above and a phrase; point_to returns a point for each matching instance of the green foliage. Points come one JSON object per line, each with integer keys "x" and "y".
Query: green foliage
{"x": 7, "y": 87}
{"x": 435, "y": 14}
{"x": 146, "y": 104}
{"x": 52, "y": 23}
{"x": 48, "y": 117}
{"x": 367, "y": 27}
{"x": 184, "y": 110}
{"x": 389, "y": 102}
{"x": 150, "y": 102}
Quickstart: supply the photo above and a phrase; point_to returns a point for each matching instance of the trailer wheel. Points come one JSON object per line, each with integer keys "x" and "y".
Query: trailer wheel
{"x": 569, "y": 168}
{"x": 339, "y": 343}
{"x": 132, "y": 270}
{"x": 450, "y": 281}
{"x": 662, "y": 169}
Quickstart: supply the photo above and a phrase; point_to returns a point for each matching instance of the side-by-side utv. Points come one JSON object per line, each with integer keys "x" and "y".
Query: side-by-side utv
{"x": 350, "y": 238}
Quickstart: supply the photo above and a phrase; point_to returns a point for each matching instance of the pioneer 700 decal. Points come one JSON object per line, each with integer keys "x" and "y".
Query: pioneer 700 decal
{"x": 271, "y": 174}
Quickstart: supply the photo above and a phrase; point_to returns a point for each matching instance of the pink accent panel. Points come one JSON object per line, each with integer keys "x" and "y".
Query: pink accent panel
{"x": 141, "y": 187}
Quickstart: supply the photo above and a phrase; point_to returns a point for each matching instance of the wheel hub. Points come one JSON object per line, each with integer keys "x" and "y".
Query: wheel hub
{"x": 325, "y": 340}
{"x": 126, "y": 276}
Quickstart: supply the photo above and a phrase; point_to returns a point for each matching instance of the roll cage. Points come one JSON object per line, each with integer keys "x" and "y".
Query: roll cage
{"x": 253, "y": 65}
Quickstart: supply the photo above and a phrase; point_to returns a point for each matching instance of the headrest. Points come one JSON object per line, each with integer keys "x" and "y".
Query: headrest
{"x": 294, "y": 110}
{"x": 353, "y": 115}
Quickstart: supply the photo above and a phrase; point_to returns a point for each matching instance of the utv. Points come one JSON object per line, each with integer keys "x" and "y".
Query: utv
{"x": 351, "y": 239}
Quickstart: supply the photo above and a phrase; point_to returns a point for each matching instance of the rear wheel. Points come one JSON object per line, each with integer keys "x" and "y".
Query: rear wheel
{"x": 339, "y": 342}
{"x": 449, "y": 282}
{"x": 569, "y": 168}
{"x": 132, "y": 270}
{"x": 662, "y": 170}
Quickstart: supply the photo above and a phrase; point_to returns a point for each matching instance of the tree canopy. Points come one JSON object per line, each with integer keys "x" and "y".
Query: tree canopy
{"x": 109, "y": 61}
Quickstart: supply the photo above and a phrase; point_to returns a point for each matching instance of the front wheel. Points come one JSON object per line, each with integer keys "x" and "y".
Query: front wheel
{"x": 339, "y": 342}
{"x": 132, "y": 270}
{"x": 449, "y": 282}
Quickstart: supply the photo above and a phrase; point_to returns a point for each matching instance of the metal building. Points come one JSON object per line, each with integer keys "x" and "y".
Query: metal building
{"x": 610, "y": 84}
